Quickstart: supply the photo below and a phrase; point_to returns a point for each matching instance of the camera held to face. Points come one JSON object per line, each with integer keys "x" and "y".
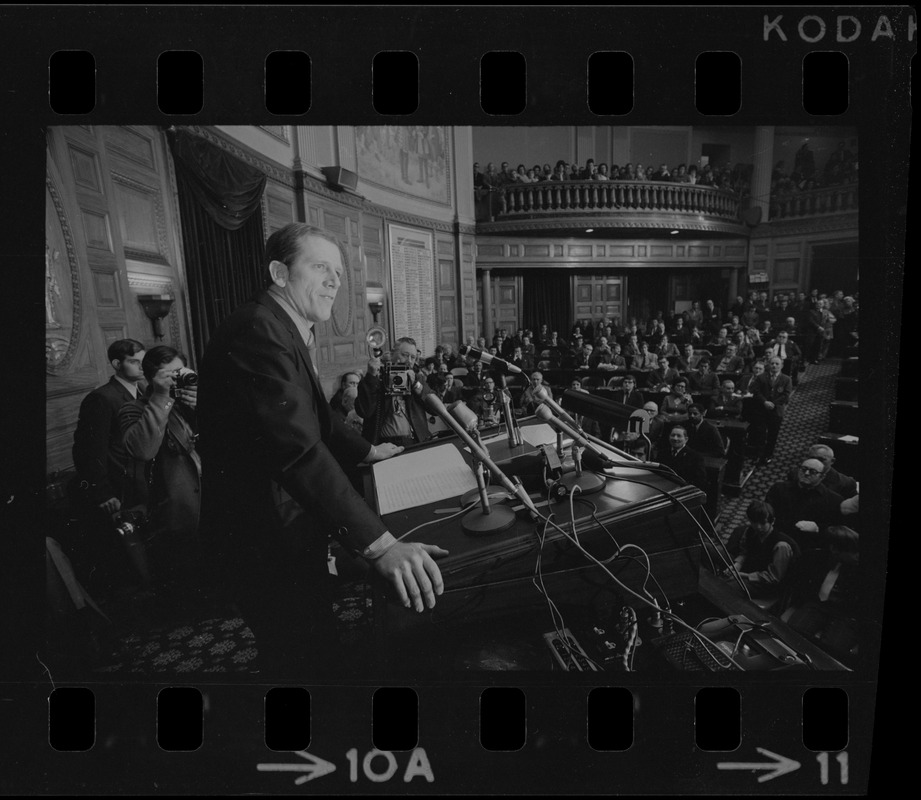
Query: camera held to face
{"x": 396, "y": 378}
{"x": 184, "y": 378}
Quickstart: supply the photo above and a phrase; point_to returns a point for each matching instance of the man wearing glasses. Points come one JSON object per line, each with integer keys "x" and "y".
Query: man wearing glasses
{"x": 804, "y": 507}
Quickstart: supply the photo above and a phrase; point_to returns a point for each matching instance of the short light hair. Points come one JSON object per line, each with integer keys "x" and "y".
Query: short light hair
{"x": 285, "y": 244}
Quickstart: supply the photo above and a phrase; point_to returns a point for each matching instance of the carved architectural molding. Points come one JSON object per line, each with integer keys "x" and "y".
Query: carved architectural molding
{"x": 279, "y": 132}
{"x": 805, "y": 225}
{"x": 634, "y": 221}
{"x": 58, "y": 358}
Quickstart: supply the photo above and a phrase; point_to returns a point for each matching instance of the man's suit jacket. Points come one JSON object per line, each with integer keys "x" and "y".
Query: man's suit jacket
{"x": 778, "y": 393}
{"x": 265, "y": 426}
{"x": 687, "y": 464}
{"x": 733, "y": 364}
{"x": 635, "y": 399}
{"x": 705, "y": 439}
{"x": 791, "y": 348}
{"x": 99, "y": 458}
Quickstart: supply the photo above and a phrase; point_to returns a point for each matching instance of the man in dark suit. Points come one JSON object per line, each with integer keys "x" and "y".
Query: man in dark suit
{"x": 703, "y": 436}
{"x": 788, "y": 352}
{"x": 629, "y": 395}
{"x": 273, "y": 490}
{"x": 687, "y": 464}
{"x": 99, "y": 459}
{"x": 772, "y": 391}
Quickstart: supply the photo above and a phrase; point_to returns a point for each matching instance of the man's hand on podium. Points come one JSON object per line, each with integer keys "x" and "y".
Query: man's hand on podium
{"x": 411, "y": 569}
{"x": 383, "y": 451}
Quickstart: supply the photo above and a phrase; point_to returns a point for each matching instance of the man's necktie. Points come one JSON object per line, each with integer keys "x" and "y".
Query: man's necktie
{"x": 312, "y": 349}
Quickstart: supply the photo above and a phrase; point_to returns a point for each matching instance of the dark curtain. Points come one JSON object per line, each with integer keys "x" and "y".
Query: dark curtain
{"x": 545, "y": 298}
{"x": 222, "y": 235}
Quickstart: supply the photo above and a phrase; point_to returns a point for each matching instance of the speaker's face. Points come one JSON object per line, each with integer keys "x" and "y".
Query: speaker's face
{"x": 313, "y": 280}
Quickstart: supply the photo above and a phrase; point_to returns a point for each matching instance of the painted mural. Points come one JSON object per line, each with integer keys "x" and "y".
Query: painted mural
{"x": 411, "y": 159}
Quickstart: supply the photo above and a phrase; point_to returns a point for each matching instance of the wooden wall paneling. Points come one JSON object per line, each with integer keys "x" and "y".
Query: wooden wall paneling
{"x": 447, "y": 274}
{"x": 468, "y": 291}
{"x": 278, "y": 205}
{"x": 112, "y": 233}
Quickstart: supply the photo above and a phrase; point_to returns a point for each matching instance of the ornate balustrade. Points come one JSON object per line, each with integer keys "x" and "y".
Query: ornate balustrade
{"x": 815, "y": 202}
{"x": 578, "y": 197}
{"x": 610, "y": 203}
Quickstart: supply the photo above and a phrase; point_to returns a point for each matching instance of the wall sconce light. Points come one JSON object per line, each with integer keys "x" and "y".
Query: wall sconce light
{"x": 156, "y": 307}
{"x": 375, "y": 294}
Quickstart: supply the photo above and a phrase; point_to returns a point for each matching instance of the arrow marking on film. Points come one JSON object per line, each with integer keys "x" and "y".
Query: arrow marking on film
{"x": 780, "y": 765}
{"x": 315, "y": 768}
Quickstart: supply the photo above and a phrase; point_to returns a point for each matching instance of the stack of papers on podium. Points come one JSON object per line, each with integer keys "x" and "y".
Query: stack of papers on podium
{"x": 421, "y": 477}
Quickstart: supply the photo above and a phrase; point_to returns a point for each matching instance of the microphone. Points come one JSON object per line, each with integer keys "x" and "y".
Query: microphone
{"x": 435, "y": 406}
{"x": 544, "y": 395}
{"x": 486, "y": 358}
{"x": 464, "y": 415}
{"x": 546, "y": 415}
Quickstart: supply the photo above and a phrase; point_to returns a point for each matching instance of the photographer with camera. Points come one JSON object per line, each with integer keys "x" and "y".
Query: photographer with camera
{"x": 159, "y": 433}
{"x": 390, "y": 398}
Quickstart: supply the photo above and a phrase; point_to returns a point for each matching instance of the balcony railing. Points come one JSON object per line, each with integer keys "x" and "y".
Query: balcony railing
{"x": 815, "y": 202}
{"x": 560, "y": 199}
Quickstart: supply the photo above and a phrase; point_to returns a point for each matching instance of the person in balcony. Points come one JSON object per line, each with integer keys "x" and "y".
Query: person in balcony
{"x": 559, "y": 174}
{"x": 628, "y": 173}
{"x": 681, "y": 174}
{"x": 641, "y": 173}
{"x": 692, "y": 174}
{"x": 662, "y": 173}
{"x": 588, "y": 171}
{"x": 602, "y": 173}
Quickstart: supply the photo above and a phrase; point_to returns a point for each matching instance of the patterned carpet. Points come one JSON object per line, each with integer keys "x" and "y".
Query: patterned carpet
{"x": 151, "y": 639}
{"x": 806, "y": 419}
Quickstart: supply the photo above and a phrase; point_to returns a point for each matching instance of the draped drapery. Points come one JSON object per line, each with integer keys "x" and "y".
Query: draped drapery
{"x": 545, "y": 297}
{"x": 222, "y": 234}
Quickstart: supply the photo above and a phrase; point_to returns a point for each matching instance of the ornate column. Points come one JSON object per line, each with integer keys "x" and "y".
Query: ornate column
{"x": 764, "y": 165}
{"x": 488, "y": 322}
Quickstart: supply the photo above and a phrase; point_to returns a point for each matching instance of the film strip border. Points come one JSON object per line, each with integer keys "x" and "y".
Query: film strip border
{"x": 753, "y": 738}
{"x": 476, "y": 65}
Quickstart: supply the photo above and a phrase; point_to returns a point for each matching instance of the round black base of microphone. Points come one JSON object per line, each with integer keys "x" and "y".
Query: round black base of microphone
{"x": 500, "y": 518}
{"x": 496, "y": 494}
{"x": 588, "y": 482}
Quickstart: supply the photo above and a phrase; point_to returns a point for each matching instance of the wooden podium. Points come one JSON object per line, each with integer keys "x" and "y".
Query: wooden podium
{"x": 488, "y": 578}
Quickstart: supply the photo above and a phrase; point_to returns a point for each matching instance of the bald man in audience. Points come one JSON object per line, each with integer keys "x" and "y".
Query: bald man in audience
{"x": 837, "y": 482}
{"x": 804, "y": 506}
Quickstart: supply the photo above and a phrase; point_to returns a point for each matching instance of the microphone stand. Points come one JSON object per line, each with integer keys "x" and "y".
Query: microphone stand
{"x": 588, "y": 482}
{"x": 486, "y": 519}
{"x": 511, "y": 424}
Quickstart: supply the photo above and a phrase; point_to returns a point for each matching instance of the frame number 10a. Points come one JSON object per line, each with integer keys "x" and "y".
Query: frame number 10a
{"x": 824, "y": 769}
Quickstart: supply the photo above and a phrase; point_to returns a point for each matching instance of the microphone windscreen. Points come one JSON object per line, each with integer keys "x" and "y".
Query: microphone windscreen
{"x": 543, "y": 412}
{"x": 463, "y": 414}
